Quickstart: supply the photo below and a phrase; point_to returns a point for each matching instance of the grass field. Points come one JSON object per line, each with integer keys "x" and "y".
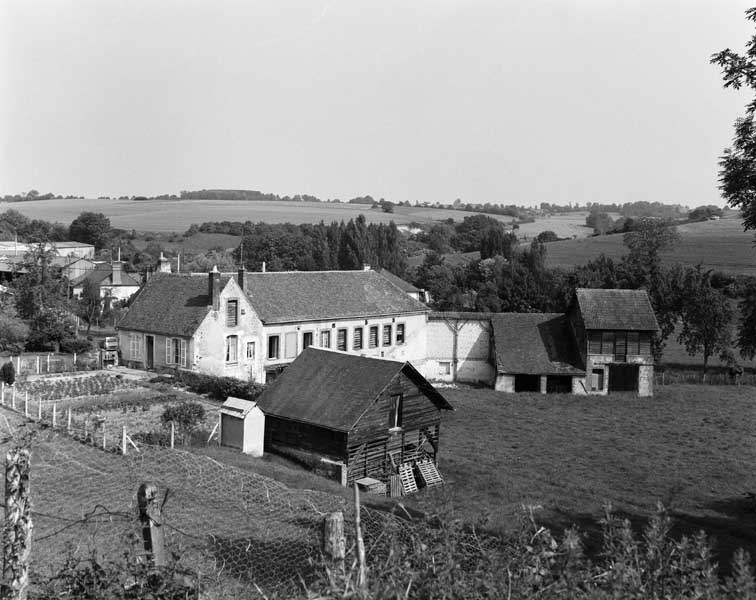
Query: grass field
{"x": 691, "y": 447}
{"x": 721, "y": 245}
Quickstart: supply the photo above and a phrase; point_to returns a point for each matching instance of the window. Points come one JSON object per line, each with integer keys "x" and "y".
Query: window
{"x": 373, "y": 340}
{"x": 306, "y": 339}
{"x": 341, "y": 339}
{"x": 607, "y": 342}
{"x": 597, "y": 380}
{"x": 135, "y": 345}
{"x": 395, "y": 411}
{"x": 175, "y": 352}
{"x": 400, "y": 334}
{"x": 633, "y": 339}
{"x": 594, "y": 342}
{"x": 325, "y": 338}
{"x": 644, "y": 343}
{"x": 444, "y": 368}
{"x": 251, "y": 350}
{"x": 290, "y": 345}
{"x": 620, "y": 345}
{"x": 273, "y": 347}
{"x": 232, "y": 349}
{"x": 232, "y": 313}
{"x": 386, "y": 335}
{"x": 357, "y": 339}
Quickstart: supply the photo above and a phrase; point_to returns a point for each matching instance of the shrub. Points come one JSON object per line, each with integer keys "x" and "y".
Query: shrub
{"x": 75, "y": 344}
{"x": 8, "y": 373}
{"x": 219, "y": 387}
{"x": 186, "y": 417}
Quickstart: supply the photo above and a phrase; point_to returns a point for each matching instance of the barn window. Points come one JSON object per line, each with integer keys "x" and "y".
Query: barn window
{"x": 620, "y": 346}
{"x": 290, "y": 345}
{"x": 644, "y": 343}
{"x": 273, "y": 347}
{"x": 386, "y": 335}
{"x": 232, "y": 349}
{"x": 341, "y": 340}
{"x": 633, "y": 342}
{"x": 251, "y": 350}
{"x": 594, "y": 342}
{"x": 395, "y": 411}
{"x": 607, "y": 342}
{"x": 373, "y": 340}
{"x": 232, "y": 313}
{"x": 597, "y": 380}
{"x": 306, "y": 339}
{"x": 444, "y": 368}
{"x": 399, "y": 334}
{"x": 325, "y": 338}
{"x": 357, "y": 339}
{"x": 135, "y": 345}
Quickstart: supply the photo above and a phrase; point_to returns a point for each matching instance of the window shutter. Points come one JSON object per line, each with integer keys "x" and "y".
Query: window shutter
{"x": 232, "y": 313}
{"x": 183, "y": 353}
{"x": 645, "y": 343}
{"x": 168, "y": 345}
{"x": 357, "y": 339}
{"x": 594, "y": 342}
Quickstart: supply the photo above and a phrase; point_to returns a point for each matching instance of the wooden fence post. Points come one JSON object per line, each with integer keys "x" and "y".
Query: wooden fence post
{"x": 104, "y": 446}
{"x": 68, "y": 424}
{"x": 152, "y": 523}
{"x": 334, "y": 544}
{"x": 17, "y": 536}
{"x": 26, "y": 404}
{"x": 13, "y": 398}
{"x": 2, "y": 393}
{"x": 39, "y": 410}
{"x": 123, "y": 440}
{"x": 361, "y": 574}
{"x": 54, "y": 414}
{"x": 48, "y": 362}
{"x": 173, "y": 433}
{"x": 37, "y": 364}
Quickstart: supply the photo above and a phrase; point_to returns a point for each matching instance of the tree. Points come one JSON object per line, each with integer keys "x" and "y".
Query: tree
{"x": 547, "y": 236}
{"x": 13, "y": 331}
{"x": 706, "y": 318}
{"x": 91, "y": 228}
{"x": 88, "y": 306}
{"x": 649, "y": 238}
{"x": 737, "y": 176}
{"x": 746, "y": 339}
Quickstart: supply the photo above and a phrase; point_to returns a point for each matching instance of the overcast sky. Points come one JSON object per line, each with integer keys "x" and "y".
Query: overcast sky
{"x": 504, "y": 101}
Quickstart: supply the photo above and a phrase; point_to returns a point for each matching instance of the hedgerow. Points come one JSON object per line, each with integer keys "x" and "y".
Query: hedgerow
{"x": 219, "y": 387}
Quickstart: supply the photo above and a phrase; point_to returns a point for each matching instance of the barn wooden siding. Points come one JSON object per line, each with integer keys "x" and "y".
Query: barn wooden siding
{"x": 370, "y": 441}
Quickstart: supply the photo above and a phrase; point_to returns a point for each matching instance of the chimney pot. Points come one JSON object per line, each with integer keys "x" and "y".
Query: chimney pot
{"x": 213, "y": 288}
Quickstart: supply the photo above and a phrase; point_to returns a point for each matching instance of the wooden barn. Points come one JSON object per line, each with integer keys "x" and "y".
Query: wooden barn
{"x": 378, "y": 417}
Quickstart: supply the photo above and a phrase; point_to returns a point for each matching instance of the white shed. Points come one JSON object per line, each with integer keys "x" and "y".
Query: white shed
{"x": 242, "y": 426}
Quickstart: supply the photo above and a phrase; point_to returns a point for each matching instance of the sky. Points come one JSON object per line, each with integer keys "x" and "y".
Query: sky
{"x": 501, "y": 101}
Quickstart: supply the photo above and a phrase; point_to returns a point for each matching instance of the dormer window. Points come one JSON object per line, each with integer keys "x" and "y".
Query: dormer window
{"x": 232, "y": 313}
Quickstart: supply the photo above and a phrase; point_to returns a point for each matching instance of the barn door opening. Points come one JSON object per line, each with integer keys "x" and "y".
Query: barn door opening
{"x": 527, "y": 383}
{"x": 623, "y": 378}
{"x": 559, "y": 384}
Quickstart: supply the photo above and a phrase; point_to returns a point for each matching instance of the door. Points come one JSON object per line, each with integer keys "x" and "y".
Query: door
{"x": 623, "y": 378}
{"x": 149, "y": 353}
{"x": 232, "y": 431}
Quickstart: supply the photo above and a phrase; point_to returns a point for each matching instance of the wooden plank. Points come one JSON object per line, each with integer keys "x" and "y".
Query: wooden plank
{"x": 395, "y": 486}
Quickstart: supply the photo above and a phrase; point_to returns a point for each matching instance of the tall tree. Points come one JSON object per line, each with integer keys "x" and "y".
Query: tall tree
{"x": 706, "y": 318}
{"x": 91, "y": 228}
{"x": 89, "y": 307}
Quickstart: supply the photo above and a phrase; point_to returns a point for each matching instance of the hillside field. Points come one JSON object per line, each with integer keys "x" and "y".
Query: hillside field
{"x": 720, "y": 245}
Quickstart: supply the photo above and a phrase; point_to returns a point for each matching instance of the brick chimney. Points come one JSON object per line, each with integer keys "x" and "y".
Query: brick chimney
{"x": 116, "y": 267}
{"x": 240, "y": 277}
{"x": 213, "y": 288}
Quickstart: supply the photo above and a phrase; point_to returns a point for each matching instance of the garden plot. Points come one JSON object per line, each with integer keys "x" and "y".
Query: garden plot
{"x": 75, "y": 386}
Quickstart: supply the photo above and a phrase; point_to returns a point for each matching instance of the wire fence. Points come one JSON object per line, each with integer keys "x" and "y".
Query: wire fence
{"x": 49, "y": 363}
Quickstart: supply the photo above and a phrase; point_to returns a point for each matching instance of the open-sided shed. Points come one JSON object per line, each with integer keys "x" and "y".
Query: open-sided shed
{"x": 373, "y": 415}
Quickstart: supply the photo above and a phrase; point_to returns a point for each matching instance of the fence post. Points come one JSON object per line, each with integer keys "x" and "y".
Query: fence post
{"x": 104, "y": 447}
{"x": 48, "y": 362}
{"x": 334, "y": 545}
{"x": 37, "y": 364}
{"x": 152, "y": 523}
{"x": 17, "y": 536}
{"x": 123, "y": 440}
{"x": 173, "y": 433}
{"x": 26, "y": 405}
{"x": 18, "y": 364}
{"x": 74, "y": 360}
{"x": 361, "y": 574}
{"x": 13, "y": 399}
{"x": 2, "y": 393}
{"x": 68, "y": 424}
{"x": 54, "y": 414}
{"x": 39, "y": 410}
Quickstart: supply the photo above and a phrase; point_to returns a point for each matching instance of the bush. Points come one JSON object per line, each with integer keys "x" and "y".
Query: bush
{"x": 75, "y": 344}
{"x": 219, "y": 387}
{"x": 186, "y": 417}
{"x": 8, "y": 373}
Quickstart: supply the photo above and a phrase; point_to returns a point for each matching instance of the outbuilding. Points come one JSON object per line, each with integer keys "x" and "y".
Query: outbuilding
{"x": 242, "y": 426}
{"x": 376, "y": 417}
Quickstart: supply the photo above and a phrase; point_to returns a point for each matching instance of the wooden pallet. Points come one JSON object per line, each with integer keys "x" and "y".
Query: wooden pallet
{"x": 395, "y": 486}
{"x": 408, "y": 478}
{"x": 429, "y": 473}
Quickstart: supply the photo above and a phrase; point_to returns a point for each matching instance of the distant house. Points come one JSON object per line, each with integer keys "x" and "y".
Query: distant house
{"x": 109, "y": 279}
{"x": 370, "y": 414}
{"x": 252, "y": 325}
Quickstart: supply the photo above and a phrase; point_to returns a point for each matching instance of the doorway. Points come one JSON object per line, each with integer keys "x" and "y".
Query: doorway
{"x": 149, "y": 353}
{"x": 623, "y": 378}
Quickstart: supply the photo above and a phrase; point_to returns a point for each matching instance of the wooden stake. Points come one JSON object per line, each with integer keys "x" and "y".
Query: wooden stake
{"x": 39, "y": 410}
{"x": 173, "y": 433}
{"x": 361, "y": 574}
{"x": 334, "y": 544}
{"x": 17, "y": 535}
{"x": 26, "y": 405}
{"x": 2, "y": 393}
{"x": 104, "y": 447}
{"x": 13, "y": 399}
{"x": 152, "y": 523}
{"x": 54, "y": 415}
{"x": 123, "y": 440}
{"x": 37, "y": 364}
{"x": 68, "y": 424}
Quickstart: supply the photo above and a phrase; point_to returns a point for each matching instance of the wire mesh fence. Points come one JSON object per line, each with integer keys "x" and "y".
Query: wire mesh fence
{"x": 232, "y": 529}
{"x": 48, "y": 363}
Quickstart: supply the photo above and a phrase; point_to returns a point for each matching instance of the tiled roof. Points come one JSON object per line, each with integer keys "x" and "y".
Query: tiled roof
{"x": 169, "y": 304}
{"x": 103, "y": 275}
{"x": 459, "y": 315}
{"x": 616, "y": 309}
{"x": 535, "y": 344}
{"x": 405, "y": 286}
{"x": 333, "y": 389}
{"x": 284, "y": 297}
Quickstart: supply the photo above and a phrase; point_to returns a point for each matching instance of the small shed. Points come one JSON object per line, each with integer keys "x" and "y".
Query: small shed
{"x": 374, "y": 416}
{"x": 242, "y": 426}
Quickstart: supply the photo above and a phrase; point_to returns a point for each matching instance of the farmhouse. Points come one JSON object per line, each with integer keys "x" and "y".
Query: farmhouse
{"x": 372, "y": 415}
{"x": 253, "y": 325}
{"x": 109, "y": 279}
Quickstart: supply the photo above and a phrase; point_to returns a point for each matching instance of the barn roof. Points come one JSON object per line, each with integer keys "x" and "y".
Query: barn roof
{"x": 169, "y": 304}
{"x": 288, "y": 296}
{"x": 103, "y": 275}
{"x": 616, "y": 309}
{"x": 334, "y": 389}
{"x": 403, "y": 285}
{"x": 535, "y": 344}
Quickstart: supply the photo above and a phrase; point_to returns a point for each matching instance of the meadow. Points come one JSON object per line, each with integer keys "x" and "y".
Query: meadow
{"x": 720, "y": 245}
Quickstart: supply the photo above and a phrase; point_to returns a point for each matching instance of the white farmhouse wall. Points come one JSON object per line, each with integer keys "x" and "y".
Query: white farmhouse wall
{"x": 466, "y": 359}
